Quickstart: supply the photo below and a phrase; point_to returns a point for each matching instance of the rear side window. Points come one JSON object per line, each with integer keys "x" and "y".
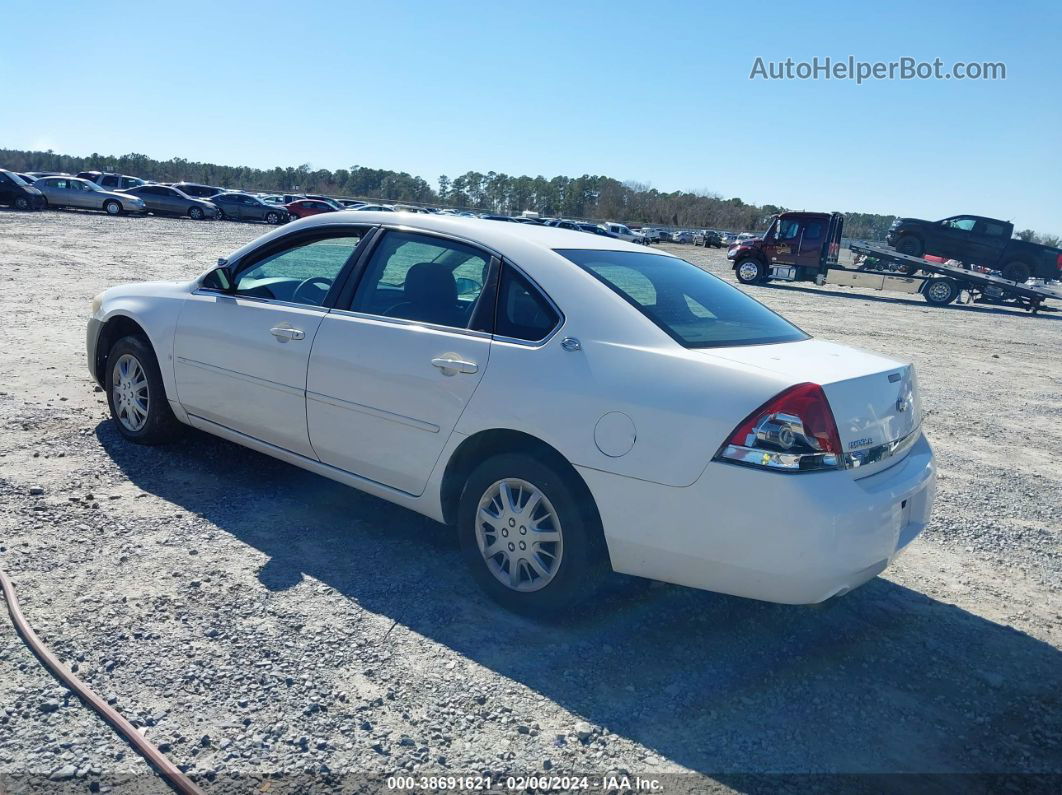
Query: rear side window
{"x": 109, "y": 182}
{"x": 996, "y": 230}
{"x": 697, "y": 309}
{"x": 523, "y": 313}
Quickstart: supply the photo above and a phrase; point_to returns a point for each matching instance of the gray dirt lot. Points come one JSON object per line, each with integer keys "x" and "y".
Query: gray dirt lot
{"x": 258, "y": 620}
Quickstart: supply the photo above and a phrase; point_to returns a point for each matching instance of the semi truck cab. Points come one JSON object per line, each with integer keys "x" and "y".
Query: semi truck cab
{"x": 797, "y": 246}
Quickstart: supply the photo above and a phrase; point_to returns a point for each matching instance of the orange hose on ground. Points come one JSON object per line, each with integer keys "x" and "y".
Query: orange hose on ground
{"x": 158, "y": 760}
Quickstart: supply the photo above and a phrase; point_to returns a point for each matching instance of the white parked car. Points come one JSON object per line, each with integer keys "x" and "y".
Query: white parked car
{"x": 570, "y": 402}
{"x": 623, "y": 232}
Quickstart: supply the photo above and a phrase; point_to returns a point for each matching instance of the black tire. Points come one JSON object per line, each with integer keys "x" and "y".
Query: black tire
{"x": 21, "y": 203}
{"x": 911, "y": 246}
{"x": 272, "y": 218}
{"x": 1017, "y": 272}
{"x": 750, "y": 271}
{"x": 160, "y": 426}
{"x": 195, "y": 213}
{"x": 112, "y": 207}
{"x": 583, "y": 556}
{"x": 940, "y": 292}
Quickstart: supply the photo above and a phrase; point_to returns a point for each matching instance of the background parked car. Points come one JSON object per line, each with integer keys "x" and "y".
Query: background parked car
{"x": 386, "y": 208}
{"x": 29, "y": 180}
{"x": 623, "y": 232}
{"x": 245, "y": 207}
{"x": 164, "y": 200}
{"x": 332, "y": 202}
{"x": 111, "y": 181}
{"x": 681, "y": 236}
{"x": 80, "y": 193}
{"x": 17, "y": 193}
{"x": 301, "y": 208}
{"x": 707, "y": 238}
{"x": 197, "y": 191}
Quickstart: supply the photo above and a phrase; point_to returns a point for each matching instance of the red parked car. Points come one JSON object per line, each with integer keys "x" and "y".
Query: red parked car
{"x": 300, "y": 208}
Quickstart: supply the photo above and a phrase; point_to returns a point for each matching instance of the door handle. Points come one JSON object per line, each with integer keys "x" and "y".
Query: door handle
{"x": 450, "y": 364}
{"x": 285, "y": 333}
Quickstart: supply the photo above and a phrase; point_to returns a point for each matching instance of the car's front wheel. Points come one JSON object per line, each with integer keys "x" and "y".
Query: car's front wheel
{"x": 195, "y": 213}
{"x": 22, "y": 203}
{"x": 527, "y": 537}
{"x": 112, "y": 207}
{"x": 136, "y": 395}
{"x": 750, "y": 271}
{"x": 272, "y": 218}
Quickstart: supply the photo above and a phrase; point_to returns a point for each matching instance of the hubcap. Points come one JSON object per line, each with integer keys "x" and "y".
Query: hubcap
{"x": 519, "y": 535}
{"x": 130, "y": 392}
{"x": 748, "y": 271}
{"x": 112, "y": 208}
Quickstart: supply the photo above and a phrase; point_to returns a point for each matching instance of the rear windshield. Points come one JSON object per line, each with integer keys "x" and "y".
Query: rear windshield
{"x": 697, "y": 309}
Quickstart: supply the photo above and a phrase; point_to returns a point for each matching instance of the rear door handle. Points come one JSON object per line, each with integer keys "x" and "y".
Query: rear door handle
{"x": 451, "y": 365}
{"x": 285, "y": 333}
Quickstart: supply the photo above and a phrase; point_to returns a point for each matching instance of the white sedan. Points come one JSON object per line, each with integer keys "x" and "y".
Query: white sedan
{"x": 571, "y": 403}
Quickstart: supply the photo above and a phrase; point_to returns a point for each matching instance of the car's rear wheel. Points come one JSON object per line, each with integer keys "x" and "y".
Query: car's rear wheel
{"x": 195, "y": 213}
{"x": 941, "y": 292}
{"x": 1017, "y": 272}
{"x": 529, "y": 540}
{"x": 136, "y": 395}
{"x": 112, "y": 207}
{"x": 750, "y": 271}
{"x": 272, "y": 218}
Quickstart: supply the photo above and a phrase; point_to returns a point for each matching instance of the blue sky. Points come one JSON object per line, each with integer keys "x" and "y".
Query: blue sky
{"x": 655, "y": 93}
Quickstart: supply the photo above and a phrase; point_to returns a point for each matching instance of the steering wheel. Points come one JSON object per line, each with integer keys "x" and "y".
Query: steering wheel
{"x": 323, "y": 283}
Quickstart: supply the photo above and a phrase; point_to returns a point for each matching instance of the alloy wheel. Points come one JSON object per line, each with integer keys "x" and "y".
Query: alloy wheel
{"x": 519, "y": 535}
{"x": 130, "y": 393}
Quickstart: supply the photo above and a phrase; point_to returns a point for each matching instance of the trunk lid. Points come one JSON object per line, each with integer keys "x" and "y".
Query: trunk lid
{"x": 874, "y": 399}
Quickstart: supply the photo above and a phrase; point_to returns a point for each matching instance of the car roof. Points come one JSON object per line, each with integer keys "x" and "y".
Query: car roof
{"x": 490, "y": 234}
{"x": 513, "y": 240}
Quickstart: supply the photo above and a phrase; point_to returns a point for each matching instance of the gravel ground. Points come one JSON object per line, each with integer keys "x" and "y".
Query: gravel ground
{"x": 260, "y": 622}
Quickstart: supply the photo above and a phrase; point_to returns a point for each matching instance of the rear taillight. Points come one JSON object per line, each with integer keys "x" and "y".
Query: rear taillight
{"x": 1058, "y": 262}
{"x": 792, "y": 432}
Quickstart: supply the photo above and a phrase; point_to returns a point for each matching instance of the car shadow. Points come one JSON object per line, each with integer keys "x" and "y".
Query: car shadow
{"x": 1046, "y": 311}
{"x": 884, "y": 679}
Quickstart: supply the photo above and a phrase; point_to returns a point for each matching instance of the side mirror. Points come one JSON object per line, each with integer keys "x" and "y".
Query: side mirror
{"x": 220, "y": 279}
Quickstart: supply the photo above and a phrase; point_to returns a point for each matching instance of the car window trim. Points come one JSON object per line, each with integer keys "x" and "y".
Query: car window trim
{"x": 253, "y": 257}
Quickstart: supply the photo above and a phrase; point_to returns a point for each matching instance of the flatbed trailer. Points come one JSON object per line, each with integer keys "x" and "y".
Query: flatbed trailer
{"x": 938, "y": 283}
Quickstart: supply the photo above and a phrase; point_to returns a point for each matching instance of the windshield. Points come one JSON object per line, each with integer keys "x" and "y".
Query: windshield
{"x": 697, "y": 309}
{"x": 16, "y": 178}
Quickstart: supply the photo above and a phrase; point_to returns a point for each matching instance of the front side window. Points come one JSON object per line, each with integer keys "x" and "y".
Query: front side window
{"x": 423, "y": 278}
{"x": 697, "y": 309}
{"x": 788, "y": 229}
{"x": 812, "y": 230}
{"x": 301, "y": 274}
{"x": 965, "y": 224}
{"x": 523, "y": 313}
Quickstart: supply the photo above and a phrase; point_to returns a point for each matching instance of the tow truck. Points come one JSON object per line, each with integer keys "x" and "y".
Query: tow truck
{"x": 805, "y": 247}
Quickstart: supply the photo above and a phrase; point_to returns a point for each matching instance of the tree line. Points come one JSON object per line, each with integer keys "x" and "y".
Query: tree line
{"x": 595, "y": 198}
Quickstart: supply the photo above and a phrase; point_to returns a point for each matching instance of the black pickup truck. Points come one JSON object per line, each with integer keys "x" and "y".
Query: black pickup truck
{"x": 975, "y": 240}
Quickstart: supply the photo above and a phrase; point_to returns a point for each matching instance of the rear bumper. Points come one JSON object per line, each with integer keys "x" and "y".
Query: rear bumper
{"x": 795, "y": 539}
